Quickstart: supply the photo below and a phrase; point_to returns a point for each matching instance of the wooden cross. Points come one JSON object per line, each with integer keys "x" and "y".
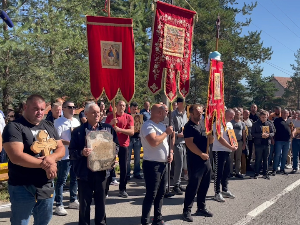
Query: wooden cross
{"x": 43, "y": 144}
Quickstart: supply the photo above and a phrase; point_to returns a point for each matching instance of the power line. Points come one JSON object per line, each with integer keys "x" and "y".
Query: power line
{"x": 274, "y": 38}
{"x": 285, "y": 14}
{"x": 279, "y": 69}
{"x": 278, "y": 19}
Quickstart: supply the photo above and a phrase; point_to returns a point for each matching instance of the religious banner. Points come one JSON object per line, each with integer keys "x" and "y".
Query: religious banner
{"x": 111, "y": 56}
{"x": 215, "y": 111}
{"x": 171, "y": 50}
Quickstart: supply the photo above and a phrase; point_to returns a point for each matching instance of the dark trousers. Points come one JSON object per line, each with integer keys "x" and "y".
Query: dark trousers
{"x": 199, "y": 181}
{"x": 261, "y": 155}
{"x": 95, "y": 185}
{"x": 109, "y": 180}
{"x": 250, "y": 147}
{"x": 222, "y": 170}
{"x": 123, "y": 155}
{"x": 155, "y": 174}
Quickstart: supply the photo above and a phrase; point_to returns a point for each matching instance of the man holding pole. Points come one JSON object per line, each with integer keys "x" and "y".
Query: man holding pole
{"x": 156, "y": 158}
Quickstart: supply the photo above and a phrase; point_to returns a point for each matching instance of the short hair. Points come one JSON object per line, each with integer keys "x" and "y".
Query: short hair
{"x": 229, "y": 111}
{"x": 56, "y": 104}
{"x": 88, "y": 102}
{"x": 277, "y": 107}
{"x": 263, "y": 113}
{"x": 88, "y": 106}
{"x": 194, "y": 106}
{"x": 66, "y": 103}
{"x": 134, "y": 104}
{"x": 35, "y": 97}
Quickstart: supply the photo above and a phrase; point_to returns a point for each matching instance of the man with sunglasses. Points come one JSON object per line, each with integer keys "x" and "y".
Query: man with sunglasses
{"x": 64, "y": 126}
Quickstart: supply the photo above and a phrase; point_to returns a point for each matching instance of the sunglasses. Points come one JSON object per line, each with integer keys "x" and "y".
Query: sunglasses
{"x": 70, "y": 107}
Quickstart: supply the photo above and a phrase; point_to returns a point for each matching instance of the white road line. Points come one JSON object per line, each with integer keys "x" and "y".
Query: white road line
{"x": 5, "y": 206}
{"x": 258, "y": 210}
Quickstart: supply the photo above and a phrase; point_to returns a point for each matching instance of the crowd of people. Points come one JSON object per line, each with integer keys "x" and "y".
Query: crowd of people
{"x": 264, "y": 140}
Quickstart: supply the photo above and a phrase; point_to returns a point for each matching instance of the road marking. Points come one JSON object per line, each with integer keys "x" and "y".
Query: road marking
{"x": 258, "y": 210}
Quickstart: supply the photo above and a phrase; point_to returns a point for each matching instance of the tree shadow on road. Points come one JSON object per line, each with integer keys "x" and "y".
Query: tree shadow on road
{"x": 4, "y": 215}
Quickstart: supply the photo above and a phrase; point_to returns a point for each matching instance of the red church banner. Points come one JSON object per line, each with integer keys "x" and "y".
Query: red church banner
{"x": 215, "y": 100}
{"x": 111, "y": 56}
{"x": 171, "y": 50}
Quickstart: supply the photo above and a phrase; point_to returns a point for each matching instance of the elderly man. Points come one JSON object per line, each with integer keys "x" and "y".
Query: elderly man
{"x": 64, "y": 126}
{"x": 156, "y": 150}
{"x": 90, "y": 184}
{"x": 31, "y": 174}
{"x": 124, "y": 126}
{"x": 222, "y": 149}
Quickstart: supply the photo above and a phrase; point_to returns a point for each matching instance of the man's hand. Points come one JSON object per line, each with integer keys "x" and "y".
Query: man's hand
{"x": 234, "y": 148}
{"x": 86, "y": 152}
{"x": 180, "y": 135}
{"x": 51, "y": 171}
{"x": 169, "y": 130}
{"x": 204, "y": 156}
{"x": 113, "y": 122}
{"x": 265, "y": 135}
{"x": 47, "y": 162}
{"x": 117, "y": 129}
{"x": 170, "y": 158}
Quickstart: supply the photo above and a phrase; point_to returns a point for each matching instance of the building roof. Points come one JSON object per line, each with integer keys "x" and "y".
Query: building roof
{"x": 283, "y": 81}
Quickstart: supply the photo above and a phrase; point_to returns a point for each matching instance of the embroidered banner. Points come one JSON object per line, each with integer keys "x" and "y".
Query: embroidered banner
{"x": 111, "y": 56}
{"x": 171, "y": 50}
{"x": 215, "y": 111}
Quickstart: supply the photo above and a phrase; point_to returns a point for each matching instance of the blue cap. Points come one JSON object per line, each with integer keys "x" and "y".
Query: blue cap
{"x": 6, "y": 18}
{"x": 215, "y": 55}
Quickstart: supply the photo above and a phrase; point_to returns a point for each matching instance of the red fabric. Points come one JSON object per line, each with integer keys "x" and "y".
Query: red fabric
{"x": 110, "y": 108}
{"x": 125, "y": 121}
{"x": 215, "y": 100}
{"x": 115, "y": 33}
{"x": 171, "y": 50}
{"x": 128, "y": 109}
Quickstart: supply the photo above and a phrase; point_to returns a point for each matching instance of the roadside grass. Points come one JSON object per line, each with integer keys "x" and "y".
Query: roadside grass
{"x": 4, "y": 196}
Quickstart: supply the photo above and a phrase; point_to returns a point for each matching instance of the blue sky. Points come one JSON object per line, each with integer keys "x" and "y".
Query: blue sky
{"x": 280, "y": 24}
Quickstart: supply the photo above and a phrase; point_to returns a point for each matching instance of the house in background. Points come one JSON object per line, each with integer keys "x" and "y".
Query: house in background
{"x": 280, "y": 84}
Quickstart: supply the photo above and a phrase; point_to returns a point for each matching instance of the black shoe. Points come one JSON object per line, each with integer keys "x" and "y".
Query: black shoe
{"x": 273, "y": 173}
{"x": 266, "y": 177}
{"x": 182, "y": 188}
{"x": 186, "y": 216}
{"x": 159, "y": 223}
{"x": 240, "y": 176}
{"x": 283, "y": 172}
{"x": 169, "y": 195}
{"x": 204, "y": 212}
{"x": 294, "y": 171}
{"x": 138, "y": 177}
{"x": 255, "y": 176}
{"x": 177, "y": 190}
{"x": 123, "y": 194}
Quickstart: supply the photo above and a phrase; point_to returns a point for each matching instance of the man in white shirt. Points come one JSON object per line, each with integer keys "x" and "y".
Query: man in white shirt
{"x": 64, "y": 126}
{"x": 222, "y": 149}
{"x": 156, "y": 151}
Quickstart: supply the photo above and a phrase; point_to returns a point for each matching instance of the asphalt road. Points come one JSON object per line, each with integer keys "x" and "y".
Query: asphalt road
{"x": 261, "y": 202}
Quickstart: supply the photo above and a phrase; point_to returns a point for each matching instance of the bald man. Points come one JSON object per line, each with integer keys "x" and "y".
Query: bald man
{"x": 124, "y": 126}
{"x": 156, "y": 158}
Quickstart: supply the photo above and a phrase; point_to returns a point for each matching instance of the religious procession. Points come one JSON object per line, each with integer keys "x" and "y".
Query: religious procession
{"x": 72, "y": 165}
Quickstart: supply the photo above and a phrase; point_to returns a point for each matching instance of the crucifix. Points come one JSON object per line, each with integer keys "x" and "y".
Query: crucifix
{"x": 43, "y": 144}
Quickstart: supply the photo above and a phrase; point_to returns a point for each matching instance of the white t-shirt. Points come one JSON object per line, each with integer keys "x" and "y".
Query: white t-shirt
{"x": 64, "y": 127}
{"x": 159, "y": 153}
{"x": 2, "y": 123}
{"x": 217, "y": 146}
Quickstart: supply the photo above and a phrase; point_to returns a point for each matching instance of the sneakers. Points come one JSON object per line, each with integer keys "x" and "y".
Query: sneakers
{"x": 186, "y": 177}
{"x": 186, "y": 216}
{"x": 288, "y": 166}
{"x": 159, "y": 223}
{"x": 294, "y": 171}
{"x": 123, "y": 194}
{"x": 255, "y": 176}
{"x": 60, "y": 210}
{"x": 273, "y": 173}
{"x": 182, "y": 188}
{"x": 266, "y": 176}
{"x": 114, "y": 182}
{"x": 240, "y": 176}
{"x": 219, "y": 198}
{"x": 228, "y": 194}
{"x": 204, "y": 212}
{"x": 177, "y": 190}
{"x": 74, "y": 205}
{"x": 139, "y": 177}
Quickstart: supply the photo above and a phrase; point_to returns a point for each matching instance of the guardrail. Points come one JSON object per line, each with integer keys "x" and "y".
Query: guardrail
{"x": 3, "y": 172}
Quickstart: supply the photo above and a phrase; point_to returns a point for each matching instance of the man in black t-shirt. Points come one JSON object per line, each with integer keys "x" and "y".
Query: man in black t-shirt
{"x": 31, "y": 175}
{"x": 253, "y": 113}
{"x": 198, "y": 164}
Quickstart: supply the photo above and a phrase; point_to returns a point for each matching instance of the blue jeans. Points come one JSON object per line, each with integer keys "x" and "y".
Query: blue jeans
{"x": 296, "y": 150}
{"x": 64, "y": 167}
{"x": 281, "y": 150}
{"x": 3, "y": 156}
{"x": 23, "y": 204}
{"x": 135, "y": 145}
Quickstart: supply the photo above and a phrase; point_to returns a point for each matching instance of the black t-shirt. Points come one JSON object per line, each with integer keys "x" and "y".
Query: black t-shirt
{"x": 283, "y": 130}
{"x": 21, "y": 130}
{"x": 254, "y": 117}
{"x": 193, "y": 130}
